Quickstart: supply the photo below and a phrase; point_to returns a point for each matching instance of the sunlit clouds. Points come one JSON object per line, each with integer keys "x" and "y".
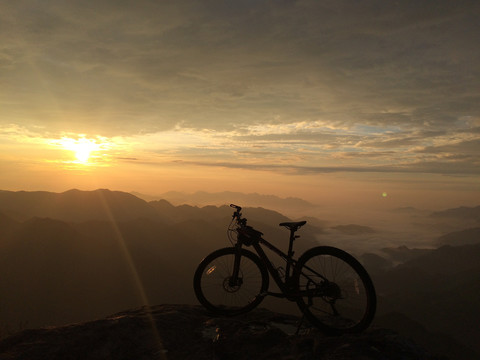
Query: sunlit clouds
{"x": 304, "y": 147}
{"x": 314, "y": 147}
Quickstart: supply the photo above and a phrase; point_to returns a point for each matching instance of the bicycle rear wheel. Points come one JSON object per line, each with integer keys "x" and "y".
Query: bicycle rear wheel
{"x": 215, "y": 290}
{"x": 336, "y": 293}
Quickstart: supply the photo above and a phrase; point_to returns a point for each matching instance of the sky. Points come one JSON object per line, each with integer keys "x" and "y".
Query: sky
{"x": 343, "y": 102}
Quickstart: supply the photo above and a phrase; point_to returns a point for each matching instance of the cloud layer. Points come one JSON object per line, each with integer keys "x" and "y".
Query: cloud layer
{"x": 311, "y": 86}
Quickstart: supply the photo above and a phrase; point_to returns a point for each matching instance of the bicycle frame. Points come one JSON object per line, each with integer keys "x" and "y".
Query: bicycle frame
{"x": 282, "y": 284}
{"x": 286, "y": 288}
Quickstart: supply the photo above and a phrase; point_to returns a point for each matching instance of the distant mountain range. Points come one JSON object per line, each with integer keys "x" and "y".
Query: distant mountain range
{"x": 75, "y": 205}
{"x": 106, "y": 205}
{"x": 439, "y": 288}
{"x": 352, "y": 229}
{"x": 463, "y": 237}
{"x": 202, "y": 198}
{"x": 462, "y": 212}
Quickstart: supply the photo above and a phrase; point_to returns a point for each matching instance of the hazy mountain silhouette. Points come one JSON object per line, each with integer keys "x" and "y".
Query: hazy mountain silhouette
{"x": 75, "y": 205}
{"x": 354, "y": 229}
{"x": 7, "y": 225}
{"x": 56, "y": 273}
{"x": 462, "y": 213}
{"x": 375, "y": 263}
{"x": 463, "y": 237}
{"x": 439, "y": 289}
{"x": 402, "y": 254}
{"x": 442, "y": 343}
{"x": 406, "y": 210}
{"x": 201, "y": 198}
{"x": 186, "y": 212}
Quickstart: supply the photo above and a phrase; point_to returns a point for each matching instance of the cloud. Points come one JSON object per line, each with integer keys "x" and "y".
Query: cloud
{"x": 372, "y": 83}
{"x": 434, "y": 167}
{"x": 467, "y": 148}
{"x": 214, "y": 65}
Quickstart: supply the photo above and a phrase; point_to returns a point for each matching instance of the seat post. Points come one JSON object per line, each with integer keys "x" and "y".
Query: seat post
{"x": 292, "y": 237}
{"x": 290, "y": 250}
{"x": 292, "y": 226}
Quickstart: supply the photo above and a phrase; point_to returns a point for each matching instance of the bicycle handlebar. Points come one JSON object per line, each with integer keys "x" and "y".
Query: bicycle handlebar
{"x": 236, "y": 207}
{"x": 238, "y": 215}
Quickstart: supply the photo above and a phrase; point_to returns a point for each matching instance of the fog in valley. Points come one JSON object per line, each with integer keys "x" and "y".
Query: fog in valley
{"x": 357, "y": 229}
{"x": 80, "y": 255}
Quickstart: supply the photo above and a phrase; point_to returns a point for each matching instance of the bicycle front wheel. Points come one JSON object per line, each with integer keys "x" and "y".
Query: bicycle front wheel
{"x": 336, "y": 293}
{"x": 214, "y": 287}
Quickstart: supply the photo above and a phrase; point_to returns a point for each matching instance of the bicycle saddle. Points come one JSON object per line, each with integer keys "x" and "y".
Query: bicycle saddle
{"x": 294, "y": 225}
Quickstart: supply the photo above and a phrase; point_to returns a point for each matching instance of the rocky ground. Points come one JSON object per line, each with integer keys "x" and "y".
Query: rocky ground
{"x": 171, "y": 332}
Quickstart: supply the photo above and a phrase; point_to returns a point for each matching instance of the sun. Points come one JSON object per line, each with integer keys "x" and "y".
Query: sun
{"x": 82, "y": 148}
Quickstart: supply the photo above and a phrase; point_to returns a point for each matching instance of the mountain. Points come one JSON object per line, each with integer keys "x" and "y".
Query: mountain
{"x": 463, "y": 237}
{"x": 56, "y": 272}
{"x": 439, "y": 289}
{"x": 75, "y": 205}
{"x": 201, "y": 198}
{"x": 187, "y": 332}
{"x": 437, "y": 342}
{"x": 7, "y": 225}
{"x": 353, "y": 229}
{"x": 186, "y": 212}
{"x": 462, "y": 212}
{"x": 402, "y": 254}
{"x": 106, "y": 205}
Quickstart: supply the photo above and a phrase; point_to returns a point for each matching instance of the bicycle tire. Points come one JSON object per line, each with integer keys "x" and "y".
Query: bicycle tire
{"x": 344, "y": 304}
{"x": 212, "y": 288}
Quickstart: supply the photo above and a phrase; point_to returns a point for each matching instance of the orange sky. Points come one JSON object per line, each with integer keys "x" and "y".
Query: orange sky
{"x": 336, "y": 103}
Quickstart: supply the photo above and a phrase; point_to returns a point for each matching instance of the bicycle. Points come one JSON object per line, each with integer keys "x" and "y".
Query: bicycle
{"x": 331, "y": 288}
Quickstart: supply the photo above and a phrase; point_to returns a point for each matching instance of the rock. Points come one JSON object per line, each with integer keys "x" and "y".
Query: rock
{"x": 172, "y": 332}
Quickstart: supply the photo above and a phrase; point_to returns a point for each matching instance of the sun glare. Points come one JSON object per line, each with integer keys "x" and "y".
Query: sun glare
{"x": 82, "y": 148}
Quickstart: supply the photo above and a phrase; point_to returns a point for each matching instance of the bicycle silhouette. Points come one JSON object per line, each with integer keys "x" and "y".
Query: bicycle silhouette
{"x": 331, "y": 288}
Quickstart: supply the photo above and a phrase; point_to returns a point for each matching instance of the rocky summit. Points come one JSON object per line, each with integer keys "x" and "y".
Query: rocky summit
{"x": 171, "y": 332}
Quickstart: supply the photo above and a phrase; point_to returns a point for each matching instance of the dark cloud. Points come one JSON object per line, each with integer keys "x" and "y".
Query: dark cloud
{"x": 430, "y": 167}
{"x": 466, "y": 148}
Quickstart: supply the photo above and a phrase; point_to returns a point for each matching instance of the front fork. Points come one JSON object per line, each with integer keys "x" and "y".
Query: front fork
{"x": 235, "y": 280}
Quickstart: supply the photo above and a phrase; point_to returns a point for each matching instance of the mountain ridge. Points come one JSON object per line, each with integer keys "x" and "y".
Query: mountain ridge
{"x": 202, "y": 198}
{"x": 462, "y": 212}
{"x": 74, "y": 205}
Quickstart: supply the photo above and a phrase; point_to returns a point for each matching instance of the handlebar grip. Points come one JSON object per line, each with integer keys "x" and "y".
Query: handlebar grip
{"x": 236, "y": 207}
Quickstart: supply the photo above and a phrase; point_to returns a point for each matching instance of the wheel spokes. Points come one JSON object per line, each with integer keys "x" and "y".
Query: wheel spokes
{"x": 340, "y": 301}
